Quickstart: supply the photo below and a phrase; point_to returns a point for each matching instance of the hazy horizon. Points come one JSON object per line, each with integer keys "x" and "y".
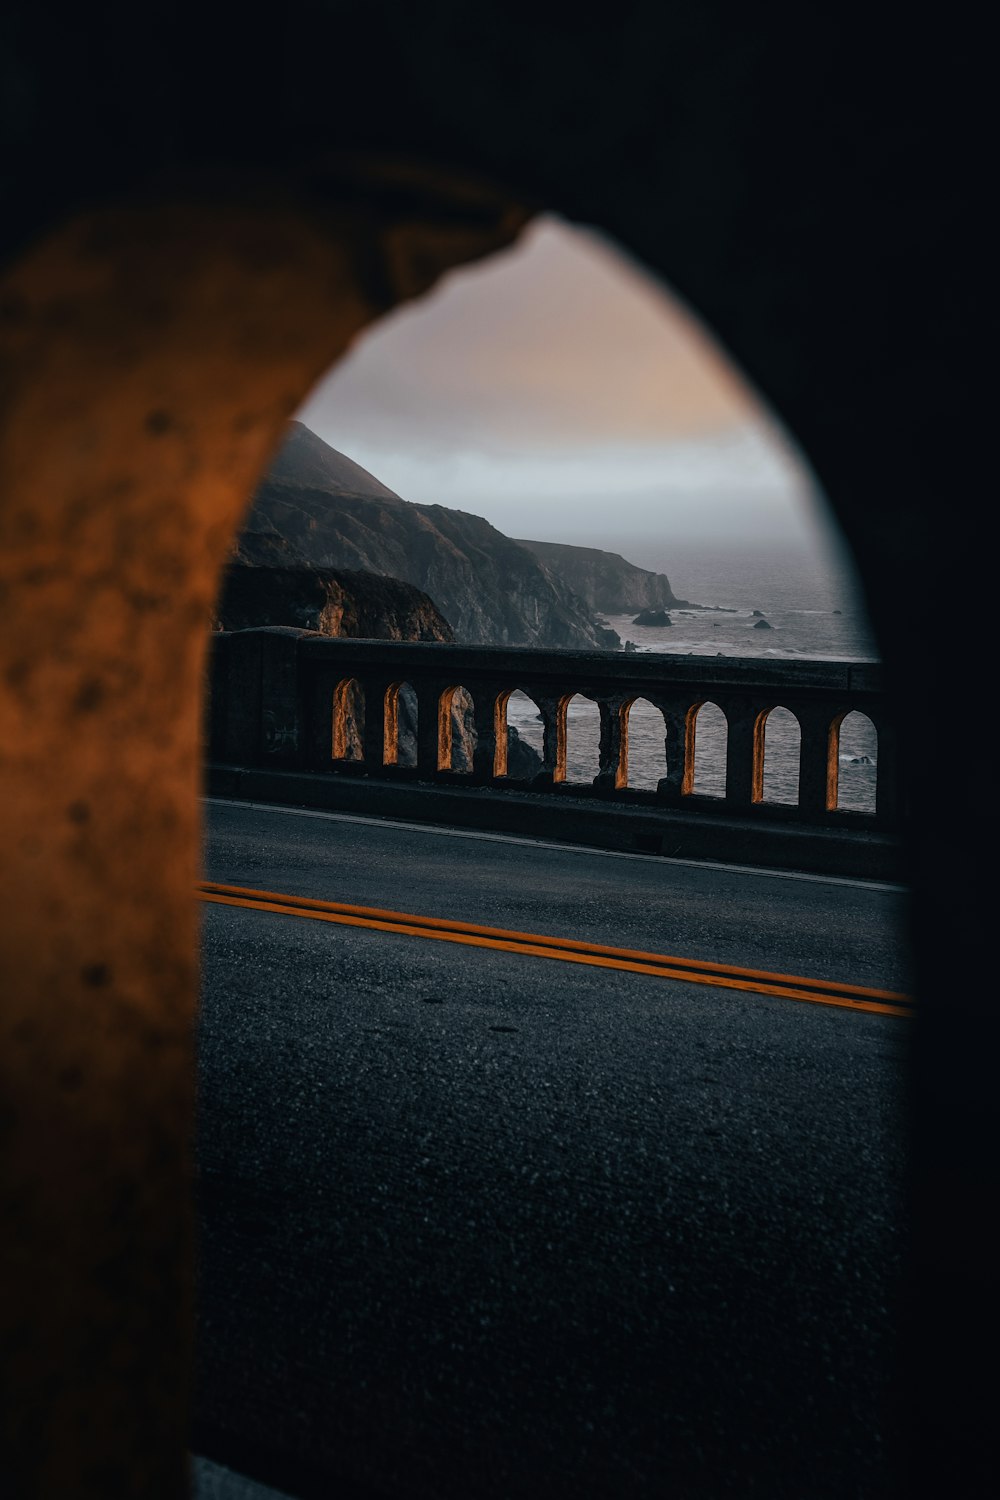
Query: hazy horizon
{"x": 561, "y": 393}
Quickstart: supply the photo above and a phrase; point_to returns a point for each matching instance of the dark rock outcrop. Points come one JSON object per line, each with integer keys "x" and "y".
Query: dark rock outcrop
{"x": 318, "y": 509}
{"x": 608, "y": 639}
{"x": 523, "y": 760}
{"x": 762, "y": 625}
{"x": 605, "y": 580}
{"x": 652, "y": 617}
{"x": 337, "y": 602}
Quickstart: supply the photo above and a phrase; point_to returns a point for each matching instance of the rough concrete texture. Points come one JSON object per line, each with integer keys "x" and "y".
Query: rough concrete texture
{"x": 812, "y": 185}
{"x": 152, "y": 357}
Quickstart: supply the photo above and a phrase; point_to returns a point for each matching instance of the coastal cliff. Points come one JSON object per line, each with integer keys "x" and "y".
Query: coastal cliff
{"x": 605, "y": 581}
{"x": 337, "y": 602}
{"x": 316, "y": 509}
{"x": 366, "y": 606}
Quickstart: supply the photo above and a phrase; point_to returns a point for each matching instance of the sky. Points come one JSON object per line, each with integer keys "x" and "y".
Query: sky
{"x": 563, "y": 393}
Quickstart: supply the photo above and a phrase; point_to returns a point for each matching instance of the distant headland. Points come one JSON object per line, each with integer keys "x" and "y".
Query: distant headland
{"x": 326, "y": 546}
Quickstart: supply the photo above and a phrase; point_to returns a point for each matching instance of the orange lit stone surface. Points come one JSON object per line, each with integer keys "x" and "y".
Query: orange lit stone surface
{"x": 152, "y": 355}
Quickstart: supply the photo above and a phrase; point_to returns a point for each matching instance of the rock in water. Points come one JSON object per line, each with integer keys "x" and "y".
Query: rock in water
{"x": 652, "y": 617}
{"x": 762, "y": 625}
{"x": 523, "y": 760}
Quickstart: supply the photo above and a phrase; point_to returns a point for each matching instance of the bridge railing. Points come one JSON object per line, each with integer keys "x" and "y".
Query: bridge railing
{"x": 290, "y": 699}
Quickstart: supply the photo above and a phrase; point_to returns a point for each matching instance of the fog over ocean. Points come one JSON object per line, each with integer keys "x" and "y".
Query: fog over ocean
{"x": 812, "y": 601}
{"x": 563, "y": 394}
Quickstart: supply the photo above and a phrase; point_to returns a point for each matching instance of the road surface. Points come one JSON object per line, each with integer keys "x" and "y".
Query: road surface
{"x": 476, "y": 1223}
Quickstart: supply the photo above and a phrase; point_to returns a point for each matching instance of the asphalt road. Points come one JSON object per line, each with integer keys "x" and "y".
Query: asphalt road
{"x": 478, "y": 1224}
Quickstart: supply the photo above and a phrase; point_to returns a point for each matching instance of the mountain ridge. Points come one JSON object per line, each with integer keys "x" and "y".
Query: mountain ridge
{"x": 317, "y": 509}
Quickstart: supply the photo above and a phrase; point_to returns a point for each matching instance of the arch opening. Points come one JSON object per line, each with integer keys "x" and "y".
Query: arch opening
{"x": 645, "y": 745}
{"x": 401, "y": 725}
{"x": 349, "y": 720}
{"x": 780, "y": 747}
{"x": 457, "y": 736}
{"x": 853, "y": 763}
{"x": 582, "y": 718}
{"x": 525, "y": 726}
{"x": 706, "y": 730}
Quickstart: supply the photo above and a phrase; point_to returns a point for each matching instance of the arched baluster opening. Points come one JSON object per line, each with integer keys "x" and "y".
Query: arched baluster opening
{"x": 401, "y": 720}
{"x": 852, "y": 763}
{"x": 705, "y": 738}
{"x": 490, "y": 752}
{"x": 457, "y": 736}
{"x": 780, "y": 749}
{"x": 525, "y": 724}
{"x": 583, "y": 738}
{"x": 494, "y": 744}
{"x": 348, "y": 720}
{"x": 644, "y": 741}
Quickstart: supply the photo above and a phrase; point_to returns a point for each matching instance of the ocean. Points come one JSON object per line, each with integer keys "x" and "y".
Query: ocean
{"x": 812, "y": 601}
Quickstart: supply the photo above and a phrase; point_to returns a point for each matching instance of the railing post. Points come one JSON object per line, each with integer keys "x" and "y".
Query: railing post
{"x": 744, "y": 751}
{"x": 428, "y": 728}
{"x": 670, "y": 786}
{"x": 613, "y": 754}
{"x": 373, "y": 740}
{"x": 553, "y": 712}
{"x": 817, "y": 760}
{"x": 490, "y": 755}
{"x": 888, "y": 780}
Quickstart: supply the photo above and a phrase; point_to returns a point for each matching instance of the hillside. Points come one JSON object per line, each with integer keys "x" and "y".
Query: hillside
{"x": 318, "y": 509}
{"x": 339, "y": 603}
{"x": 604, "y": 580}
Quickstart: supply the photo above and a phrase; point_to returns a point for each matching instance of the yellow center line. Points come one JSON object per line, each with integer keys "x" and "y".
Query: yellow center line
{"x": 567, "y": 950}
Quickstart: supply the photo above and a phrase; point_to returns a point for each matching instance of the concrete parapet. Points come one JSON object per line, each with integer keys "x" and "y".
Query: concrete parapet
{"x": 285, "y": 726}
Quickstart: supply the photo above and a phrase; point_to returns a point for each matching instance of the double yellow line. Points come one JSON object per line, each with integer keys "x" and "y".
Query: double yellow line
{"x": 567, "y": 950}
